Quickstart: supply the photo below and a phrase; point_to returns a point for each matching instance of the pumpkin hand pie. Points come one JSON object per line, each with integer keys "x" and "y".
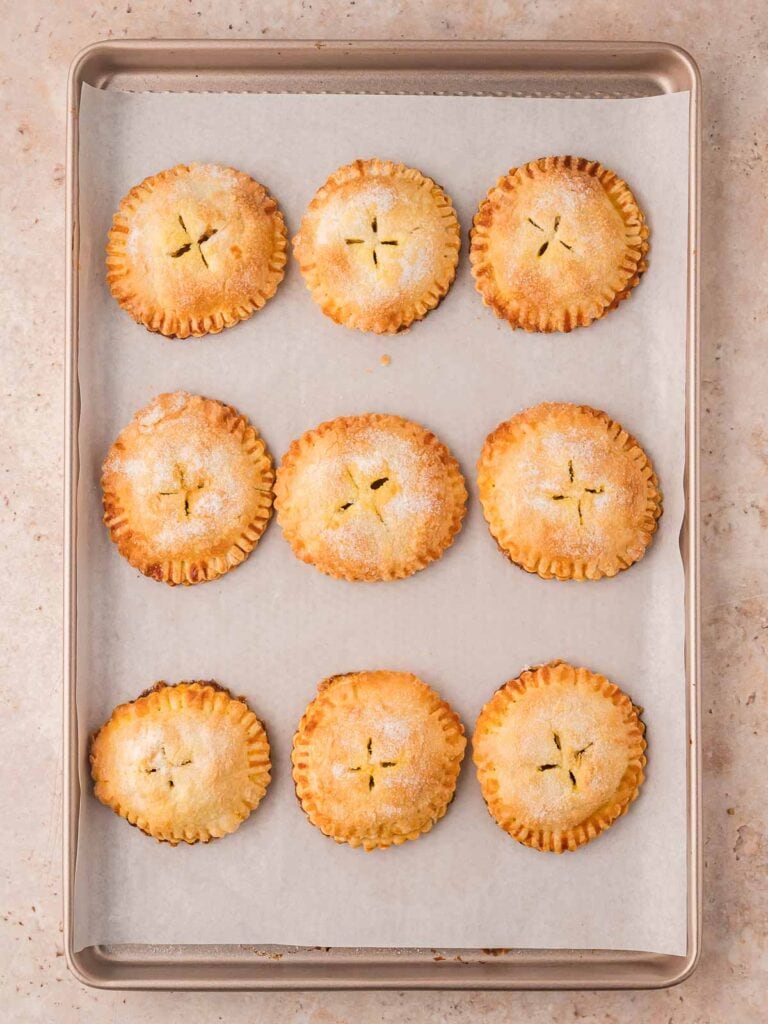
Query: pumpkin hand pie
{"x": 187, "y": 489}
{"x": 378, "y": 246}
{"x": 372, "y": 497}
{"x": 568, "y": 493}
{"x": 557, "y": 243}
{"x": 195, "y": 249}
{"x": 376, "y": 758}
{"x": 560, "y": 753}
{"x": 184, "y": 763}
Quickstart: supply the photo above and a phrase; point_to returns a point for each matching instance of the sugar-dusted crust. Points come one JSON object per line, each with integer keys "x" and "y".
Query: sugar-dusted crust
{"x": 560, "y": 753}
{"x": 568, "y": 493}
{"x": 195, "y": 249}
{"x": 376, "y": 758}
{"x": 184, "y": 763}
{"x": 187, "y": 489}
{"x": 556, "y": 243}
{"x": 372, "y": 497}
{"x": 378, "y": 246}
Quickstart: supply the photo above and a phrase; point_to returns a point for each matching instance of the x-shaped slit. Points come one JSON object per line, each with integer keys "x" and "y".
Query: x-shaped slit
{"x": 577, "y": 495}
{"x": 375, "y": 240}
{"x": 572, "y": 761}
{"x": 183, "y": 488}
{"x": 185, "y": 248}
{"x": 373, "y": 486}
{"x": 370, "y": 765}
{"x": 168, "y": 766}
{"x": 545, "y": 245}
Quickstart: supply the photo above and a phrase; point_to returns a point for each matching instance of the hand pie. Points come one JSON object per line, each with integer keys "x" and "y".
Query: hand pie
{"x": 195, "y": 249}
{"x": 184, "y": 763}
{"x": 187, "y": 489}
{"x": 559, "y": 755}
{"x": 376, "y": 758}
{"x": 378, "y": 246}
{"x": 568, "y": 493}
{"x": 371, "y": 497}
{"x": 557, "y": 243}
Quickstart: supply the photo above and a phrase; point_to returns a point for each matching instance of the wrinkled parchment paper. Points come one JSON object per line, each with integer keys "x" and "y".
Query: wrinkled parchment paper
{"x": 274, "y": 627}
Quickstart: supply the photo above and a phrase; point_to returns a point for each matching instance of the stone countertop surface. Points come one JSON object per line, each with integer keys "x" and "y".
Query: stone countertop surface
{"x": 730, "y": 42}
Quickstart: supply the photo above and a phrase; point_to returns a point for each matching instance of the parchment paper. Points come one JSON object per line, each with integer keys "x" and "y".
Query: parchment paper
{"x": 274, "y": 627}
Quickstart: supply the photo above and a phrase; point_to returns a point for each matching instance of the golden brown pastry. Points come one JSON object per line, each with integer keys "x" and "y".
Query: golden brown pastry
{"x": 376, "y": 758}
{"x": 372, "y": 497}
{"x": 556, "y": 243}
{"x": 187, "y": 489}
{"x": 184, "y": 763}
{"x": 195, "y": 249}
{"x": 560, "y": 753}
{"x": 378, "y": 246}
{"x": 568, "y": 493}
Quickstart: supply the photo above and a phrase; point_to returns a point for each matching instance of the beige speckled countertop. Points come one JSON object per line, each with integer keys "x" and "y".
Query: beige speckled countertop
{"x": 730, "y": 42}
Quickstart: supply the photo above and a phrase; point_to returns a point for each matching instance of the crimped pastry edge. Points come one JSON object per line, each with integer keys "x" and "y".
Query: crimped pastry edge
{"x": 341, "y": 832}
{"x": 158, "y": 320}
{"x": 220, "y": 698}
{"x": 569, "y": 839}
{"x": 563, "y": 320}
{"x": 375, "y": 322}
{"x": 188, "y": 572}
{"x": 301, "y": 445}
{"x": 566, "y": 568}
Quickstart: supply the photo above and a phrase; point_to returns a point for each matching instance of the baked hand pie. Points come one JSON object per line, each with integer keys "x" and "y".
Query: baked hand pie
{"x": 376, "y": 758}
{"x": 568, "y": 493}
{"x": 560, "y": 755}
{"x": 556, "y": 243}
{"x": 184, "y": 763}
{"x": 372, "y": 497}
{"x": 187, "y": 489}
{"x": 378, "y": 246}
{"x": 195, "y": 249}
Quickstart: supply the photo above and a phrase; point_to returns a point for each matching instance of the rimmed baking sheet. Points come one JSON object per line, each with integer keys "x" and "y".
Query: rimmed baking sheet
{"x": 459, "y": 372}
